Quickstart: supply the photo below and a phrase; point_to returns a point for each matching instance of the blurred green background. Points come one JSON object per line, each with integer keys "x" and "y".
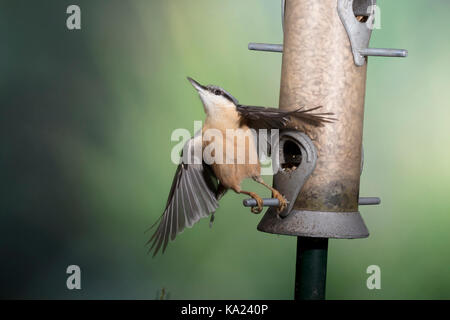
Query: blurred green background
{"x": 86, "y": 120}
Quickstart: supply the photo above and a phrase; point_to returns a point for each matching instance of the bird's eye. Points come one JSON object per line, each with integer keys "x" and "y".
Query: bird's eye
{"x": 217, "y": 92}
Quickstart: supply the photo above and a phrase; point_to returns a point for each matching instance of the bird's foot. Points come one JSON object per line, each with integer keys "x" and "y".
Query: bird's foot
{"x": 256, "y": 210}
{"x": 211, "y": 220}
{"x": 281, "y": 199}
{"x": 259, "y": 201}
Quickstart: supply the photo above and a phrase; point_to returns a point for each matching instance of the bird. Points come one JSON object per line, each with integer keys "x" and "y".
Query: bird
{"x": 200, "y": 181}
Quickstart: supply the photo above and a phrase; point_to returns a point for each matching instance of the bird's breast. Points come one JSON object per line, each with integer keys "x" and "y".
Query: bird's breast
{"x": 225, "y": 141}
{"x": 222, "y": 119}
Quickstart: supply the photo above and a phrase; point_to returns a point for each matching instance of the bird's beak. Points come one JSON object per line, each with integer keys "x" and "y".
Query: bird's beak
{"x": 196, "y": 85}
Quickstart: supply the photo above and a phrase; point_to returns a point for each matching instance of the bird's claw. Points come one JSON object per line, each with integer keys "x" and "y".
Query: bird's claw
{"x": 282, "y": 200}
{"x": 257, "y": 209}
{"x": 211, "y": 220}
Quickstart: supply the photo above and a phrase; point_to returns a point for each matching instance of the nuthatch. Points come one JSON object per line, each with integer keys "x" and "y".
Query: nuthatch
{"x": 197, "y": 187}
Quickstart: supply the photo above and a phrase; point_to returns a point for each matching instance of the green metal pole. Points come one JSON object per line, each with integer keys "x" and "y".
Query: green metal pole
{"x": 311, "y": 269}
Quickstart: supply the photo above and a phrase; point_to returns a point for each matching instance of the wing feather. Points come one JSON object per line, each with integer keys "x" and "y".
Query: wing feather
{"x": 197, "y": 193}
{"x": 272, "y": 118}
{"x": 192, "y": 196}
{"x": 160, "y": 237}
{"x": 170, "y": 217}
{"x": 174, "y": 229}
{"x": 205, "y": 194}
{"x": 182, "y": 218}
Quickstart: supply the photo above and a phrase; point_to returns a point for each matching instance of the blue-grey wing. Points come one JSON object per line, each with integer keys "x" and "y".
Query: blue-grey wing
{"x": 191, "y": 197}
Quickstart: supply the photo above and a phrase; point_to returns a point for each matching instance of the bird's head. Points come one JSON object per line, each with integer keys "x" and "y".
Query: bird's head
{"x": 214, "y": 97}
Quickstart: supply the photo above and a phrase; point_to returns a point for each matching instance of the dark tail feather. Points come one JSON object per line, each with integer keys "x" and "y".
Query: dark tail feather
{"x": 316, "y": 119}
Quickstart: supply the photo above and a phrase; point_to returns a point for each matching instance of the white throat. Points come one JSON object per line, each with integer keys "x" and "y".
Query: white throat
{"x": 214, "y": 105}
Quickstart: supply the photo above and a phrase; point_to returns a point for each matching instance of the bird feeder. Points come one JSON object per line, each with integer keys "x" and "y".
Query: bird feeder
{"x": 325, "y": 50}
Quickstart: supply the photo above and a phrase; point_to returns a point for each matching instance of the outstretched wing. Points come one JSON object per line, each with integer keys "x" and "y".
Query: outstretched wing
{"x": 191, "y": 197}
{"x": 271, "y": 118}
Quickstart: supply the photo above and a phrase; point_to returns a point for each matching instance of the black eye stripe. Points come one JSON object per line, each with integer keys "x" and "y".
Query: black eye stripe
{"x": 219, "y": 91}
{"x": 227, "y": 97}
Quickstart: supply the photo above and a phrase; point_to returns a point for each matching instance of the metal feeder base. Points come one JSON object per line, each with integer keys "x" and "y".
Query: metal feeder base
{"x": 316, "y": 224}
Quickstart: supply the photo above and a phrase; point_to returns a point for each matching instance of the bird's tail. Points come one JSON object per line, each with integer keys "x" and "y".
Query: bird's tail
{"x": 315, "y": 119}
